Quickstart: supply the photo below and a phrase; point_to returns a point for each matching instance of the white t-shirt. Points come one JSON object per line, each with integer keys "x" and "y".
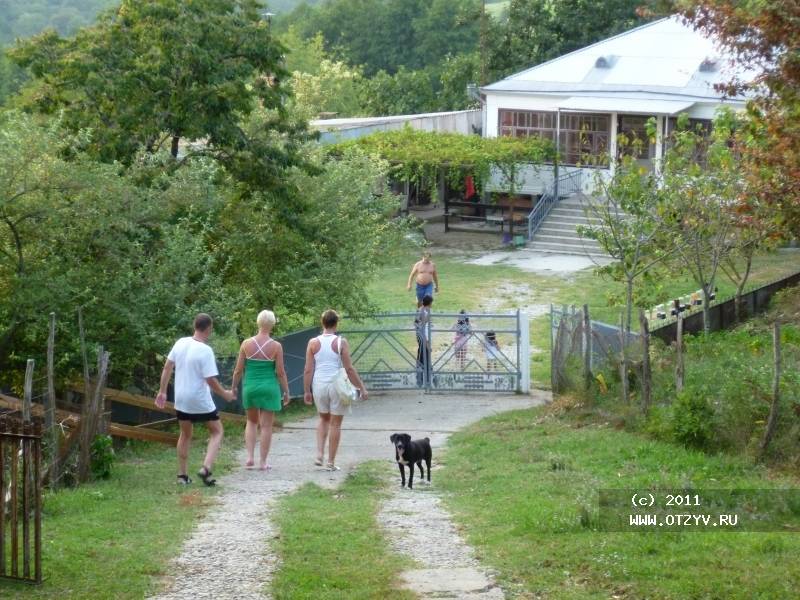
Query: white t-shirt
{"x": 194, "y": 361}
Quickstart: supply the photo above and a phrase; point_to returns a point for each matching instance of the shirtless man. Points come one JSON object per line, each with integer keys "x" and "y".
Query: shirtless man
{"x": 425, "y": 272}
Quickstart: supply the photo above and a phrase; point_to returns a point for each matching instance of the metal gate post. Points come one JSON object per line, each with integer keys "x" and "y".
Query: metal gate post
{"x": 524, "y": 342}
{"x": 428, "y": 353}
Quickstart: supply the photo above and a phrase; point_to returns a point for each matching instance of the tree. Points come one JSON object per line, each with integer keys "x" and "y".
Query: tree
{"x": 321, "y": 254}
{"x": 754, "y": 230}
{"x": 23, "y": 18}
{"x": 699, "y": 200}
{"x": 404, "y": 93}
{"x": 333, "y": 89}
{"x": 158, "y": 72}
{"x": 539, "y": 30}
{"x": 455, "y": 73}
{"x": 11, "y": 78}
{"x": 385, "y": 35}
{"x": 81, "y": 233}
{"x": 764, "y": 42}
{"x": 624, "y": 208}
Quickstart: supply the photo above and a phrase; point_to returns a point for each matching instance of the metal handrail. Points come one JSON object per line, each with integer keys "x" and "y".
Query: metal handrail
{"x": 567, "y": 184}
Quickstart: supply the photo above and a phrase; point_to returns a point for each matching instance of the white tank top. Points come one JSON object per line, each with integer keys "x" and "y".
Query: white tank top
{"x": 326, "y": 361}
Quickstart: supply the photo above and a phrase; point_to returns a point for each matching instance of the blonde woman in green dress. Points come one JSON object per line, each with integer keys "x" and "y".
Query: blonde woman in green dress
{"x": 265, "y": 388}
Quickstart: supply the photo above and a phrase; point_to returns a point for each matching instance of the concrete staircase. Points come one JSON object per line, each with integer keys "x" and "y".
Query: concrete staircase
{"x": 558, "y": 234}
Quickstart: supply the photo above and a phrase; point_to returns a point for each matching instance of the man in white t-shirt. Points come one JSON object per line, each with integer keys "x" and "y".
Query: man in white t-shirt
{"x": 195, "y": 377}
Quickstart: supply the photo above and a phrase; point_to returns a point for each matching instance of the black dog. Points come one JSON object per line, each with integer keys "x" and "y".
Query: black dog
{"x": 410, "y": 453}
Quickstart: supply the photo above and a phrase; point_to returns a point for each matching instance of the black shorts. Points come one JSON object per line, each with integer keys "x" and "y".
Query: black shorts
{"x": 198, "y": 417}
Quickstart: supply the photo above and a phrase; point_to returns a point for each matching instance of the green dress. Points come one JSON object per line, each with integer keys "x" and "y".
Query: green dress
{"x": 260, "y": 388}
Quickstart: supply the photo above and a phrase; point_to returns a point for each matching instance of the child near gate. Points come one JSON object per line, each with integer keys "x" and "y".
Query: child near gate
{"x": 492, "y": 351}
{"x": 463, "y": 330}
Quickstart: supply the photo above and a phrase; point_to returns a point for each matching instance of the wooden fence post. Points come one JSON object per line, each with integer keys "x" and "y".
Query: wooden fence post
{"x": 646, "y": 374}
{"x": 87, "y": 389}
{"x": 587, "y": 348}
{"x": 90, "y": 417}
{"x": 679, "y": 356}
{"x": 772, "y": 420}
{"x": 28, "y": 397}
{"x": 50, "y": 412}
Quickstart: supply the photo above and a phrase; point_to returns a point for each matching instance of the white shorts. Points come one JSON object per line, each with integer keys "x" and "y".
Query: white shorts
{"x": 326, "y": 399}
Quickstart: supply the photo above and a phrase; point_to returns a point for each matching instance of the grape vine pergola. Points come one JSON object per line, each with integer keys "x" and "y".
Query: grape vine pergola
{"x": 429, "y": 158}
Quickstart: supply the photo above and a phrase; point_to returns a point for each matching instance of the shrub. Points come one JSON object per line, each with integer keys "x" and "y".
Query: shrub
{"x": 693, "y": 418}
{"x": 102, "y": 456}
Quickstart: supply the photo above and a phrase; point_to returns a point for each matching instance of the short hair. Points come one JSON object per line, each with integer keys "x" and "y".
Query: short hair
{"x": 266, "y": 319}
{"x": 427, "y": 300}
{"x": 330, "y": 318}
{"x": 202, "y": 322}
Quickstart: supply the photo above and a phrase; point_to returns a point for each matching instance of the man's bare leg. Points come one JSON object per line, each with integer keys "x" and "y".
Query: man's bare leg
{"x": 265, "y": 417}
{"x": 214, "y": 442}
{"x": 250, "y": 434}
{"x": 335, "y": 436}
{"x": 184, "y": 443}
{"x": 322, "y": 434}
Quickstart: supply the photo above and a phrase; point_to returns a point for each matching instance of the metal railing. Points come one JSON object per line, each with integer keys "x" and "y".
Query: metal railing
{"x": 565, "y": 185}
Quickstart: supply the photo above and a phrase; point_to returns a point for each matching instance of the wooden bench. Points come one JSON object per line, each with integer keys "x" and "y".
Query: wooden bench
{"x": 516, "y": 210}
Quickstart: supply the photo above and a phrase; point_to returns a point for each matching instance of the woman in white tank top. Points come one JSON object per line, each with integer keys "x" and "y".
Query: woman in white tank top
{"x": 325, "y": 355}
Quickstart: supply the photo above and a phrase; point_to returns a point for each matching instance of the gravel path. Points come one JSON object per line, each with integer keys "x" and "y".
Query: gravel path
{"x": 228, "y": 555}
{"x": 418, "y": 526}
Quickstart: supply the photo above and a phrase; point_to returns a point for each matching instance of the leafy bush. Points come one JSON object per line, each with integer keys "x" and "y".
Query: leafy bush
{"x": 103, "y": 456}
{"x": 692, "y": 418}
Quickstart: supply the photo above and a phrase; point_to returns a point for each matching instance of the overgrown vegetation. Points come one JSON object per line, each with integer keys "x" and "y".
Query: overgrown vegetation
{"x": 539, "y": 471}
{"x": 727, "y": 389}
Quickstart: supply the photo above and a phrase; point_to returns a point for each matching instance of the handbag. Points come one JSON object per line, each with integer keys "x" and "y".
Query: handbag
{"x": 346, "y": 391}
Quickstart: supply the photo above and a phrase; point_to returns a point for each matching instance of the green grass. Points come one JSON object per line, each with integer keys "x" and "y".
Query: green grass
{"x": 524, "y": 517}
{"x": 462, "y": 285}
{"x": 115, "y": 538}
{"x": 331, "y": 546}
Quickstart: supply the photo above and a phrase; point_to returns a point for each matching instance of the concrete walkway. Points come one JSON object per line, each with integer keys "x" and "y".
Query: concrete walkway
{"x": 228, "y": 555}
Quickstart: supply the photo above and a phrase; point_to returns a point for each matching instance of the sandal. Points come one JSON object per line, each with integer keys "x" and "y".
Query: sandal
{"x": 331, "y": 467}
{"x": 205, "y": 475}
{"x": 184, "y": 480}
{"x": 318, "y": 462}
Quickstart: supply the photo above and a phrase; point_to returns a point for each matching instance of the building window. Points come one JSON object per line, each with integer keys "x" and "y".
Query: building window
{"x": 524, "y": 123}
{"x": 584, "y": 137}
{"x": 637, "y": 143}
{"x": 701, "y": 126}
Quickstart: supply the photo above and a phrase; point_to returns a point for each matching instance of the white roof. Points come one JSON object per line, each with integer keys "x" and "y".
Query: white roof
{"x": 348, "y": 122}
{"x": 661, "y": 58}
{"x": 627, "y": 105}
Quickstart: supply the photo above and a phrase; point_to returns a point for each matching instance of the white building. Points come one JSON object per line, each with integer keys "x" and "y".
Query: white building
{"x": 588, "y": 97}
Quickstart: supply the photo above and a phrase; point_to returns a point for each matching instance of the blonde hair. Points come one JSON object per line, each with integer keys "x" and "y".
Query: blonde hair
{"x": 266, "y": 319}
